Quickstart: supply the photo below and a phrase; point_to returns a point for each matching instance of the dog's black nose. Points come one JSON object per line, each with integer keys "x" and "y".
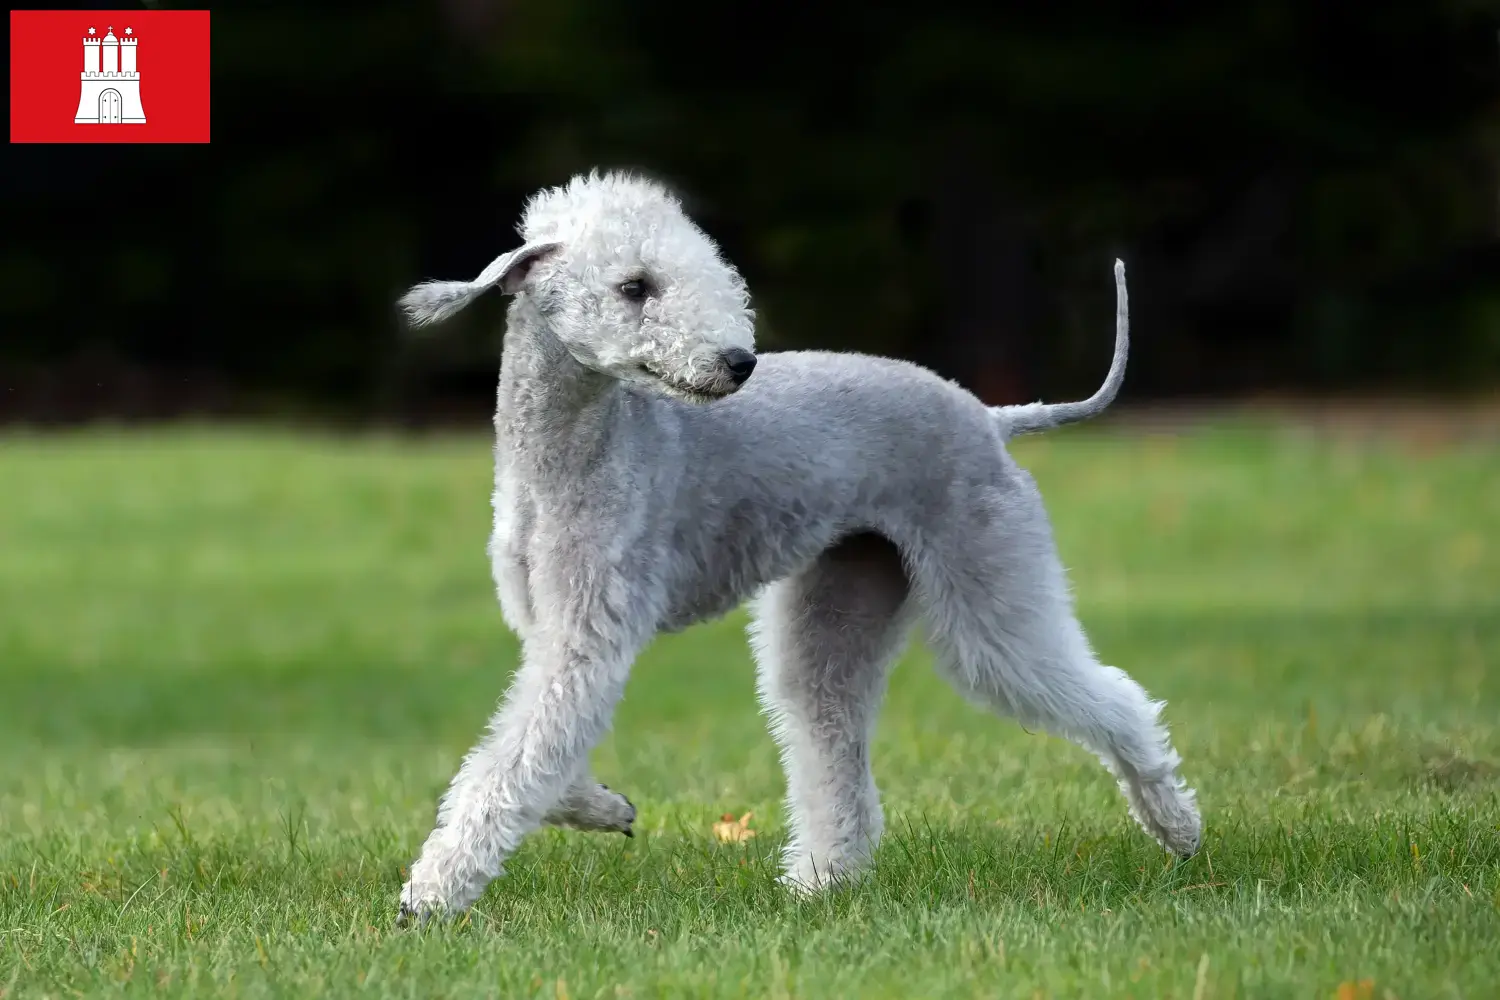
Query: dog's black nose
{"x": 740, "y": 364}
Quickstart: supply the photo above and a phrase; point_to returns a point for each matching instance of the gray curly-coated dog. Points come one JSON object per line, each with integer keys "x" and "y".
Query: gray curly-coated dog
{"x": 644, "y": 481}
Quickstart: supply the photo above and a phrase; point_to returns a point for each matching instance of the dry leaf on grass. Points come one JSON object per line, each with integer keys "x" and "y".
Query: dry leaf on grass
{"x": 1362, "y": 990}
{"x": 734, "y": 831}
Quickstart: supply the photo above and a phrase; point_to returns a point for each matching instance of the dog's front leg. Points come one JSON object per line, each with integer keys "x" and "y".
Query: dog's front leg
{"x": 557, "y": 708}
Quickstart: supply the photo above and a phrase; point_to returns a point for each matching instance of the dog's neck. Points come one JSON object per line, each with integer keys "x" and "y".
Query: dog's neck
{"x": 552, "y": 413}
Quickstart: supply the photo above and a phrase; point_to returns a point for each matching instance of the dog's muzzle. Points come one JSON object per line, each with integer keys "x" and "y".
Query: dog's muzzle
{"x": 740, "y": 364}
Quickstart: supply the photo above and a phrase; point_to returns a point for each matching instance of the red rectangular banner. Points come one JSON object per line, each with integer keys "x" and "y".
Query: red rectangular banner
{"x": 109, "y": 76}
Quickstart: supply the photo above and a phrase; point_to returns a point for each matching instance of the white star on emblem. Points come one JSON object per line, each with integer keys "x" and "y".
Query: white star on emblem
{"x": 91, "y": 31}
{"x": 127, "y": 31}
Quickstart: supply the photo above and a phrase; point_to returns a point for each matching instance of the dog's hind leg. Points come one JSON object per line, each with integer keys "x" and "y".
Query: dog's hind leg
{"x": 1002, "y": 620}
{"x": 825, "y": 641}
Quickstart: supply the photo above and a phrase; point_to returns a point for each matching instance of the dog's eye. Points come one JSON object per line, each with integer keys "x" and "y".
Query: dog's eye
{"x": 634, "y": 289}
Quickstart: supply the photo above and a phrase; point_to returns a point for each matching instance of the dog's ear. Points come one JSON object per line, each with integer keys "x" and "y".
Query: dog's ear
{"x": 512, "y": 269}
{"x": 434, "y": 301}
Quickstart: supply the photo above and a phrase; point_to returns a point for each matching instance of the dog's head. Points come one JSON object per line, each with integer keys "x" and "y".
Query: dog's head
{"x": 630, "y": 286}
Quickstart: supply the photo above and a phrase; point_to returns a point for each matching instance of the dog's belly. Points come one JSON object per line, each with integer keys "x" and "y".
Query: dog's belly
{"x": 702, "y": 606}
{"x": 723, "y": 574}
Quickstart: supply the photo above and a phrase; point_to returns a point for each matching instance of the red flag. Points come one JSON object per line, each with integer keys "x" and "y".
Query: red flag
{"x": 109, "y": 76}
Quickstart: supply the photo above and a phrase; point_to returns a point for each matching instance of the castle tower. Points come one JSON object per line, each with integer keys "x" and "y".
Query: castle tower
{"x": 111, "y": 52}
{"x": 111, "y": 84}
{"x": 90, "y": 54}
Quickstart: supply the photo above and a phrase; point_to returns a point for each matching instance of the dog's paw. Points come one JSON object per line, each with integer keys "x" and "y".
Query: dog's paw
{"x": 1168, "y": 810}
{"x": 435, "y": 893}
{"x": 622, "y": 810}
{"x": 806, "y": 884}
{"x": 597, "y": 808}
{"x": 418, "y": 909}
{"x": 804, "y": 875}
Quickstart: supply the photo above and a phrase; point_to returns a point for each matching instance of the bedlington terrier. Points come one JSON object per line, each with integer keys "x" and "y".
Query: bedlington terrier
{"x": 644, "y": 481}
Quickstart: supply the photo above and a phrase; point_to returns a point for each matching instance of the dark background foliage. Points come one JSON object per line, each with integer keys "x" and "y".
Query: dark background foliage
{"x": 1307, "y": 196}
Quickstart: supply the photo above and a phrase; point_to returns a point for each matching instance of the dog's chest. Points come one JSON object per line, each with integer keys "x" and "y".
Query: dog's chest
{"x": 515, "y": 516}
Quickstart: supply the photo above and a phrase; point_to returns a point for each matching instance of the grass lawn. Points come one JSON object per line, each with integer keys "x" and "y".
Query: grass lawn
{"x": 237, "y": 669}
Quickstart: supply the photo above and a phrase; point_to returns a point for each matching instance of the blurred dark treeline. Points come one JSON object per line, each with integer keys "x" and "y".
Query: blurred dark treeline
{"x": 1307, "y": 196}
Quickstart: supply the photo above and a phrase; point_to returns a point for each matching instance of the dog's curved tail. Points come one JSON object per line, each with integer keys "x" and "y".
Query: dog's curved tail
{"x": 1028, "y": 418}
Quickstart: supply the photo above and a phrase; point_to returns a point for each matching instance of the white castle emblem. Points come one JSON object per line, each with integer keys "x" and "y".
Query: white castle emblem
{"x": 111, "y": 92}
